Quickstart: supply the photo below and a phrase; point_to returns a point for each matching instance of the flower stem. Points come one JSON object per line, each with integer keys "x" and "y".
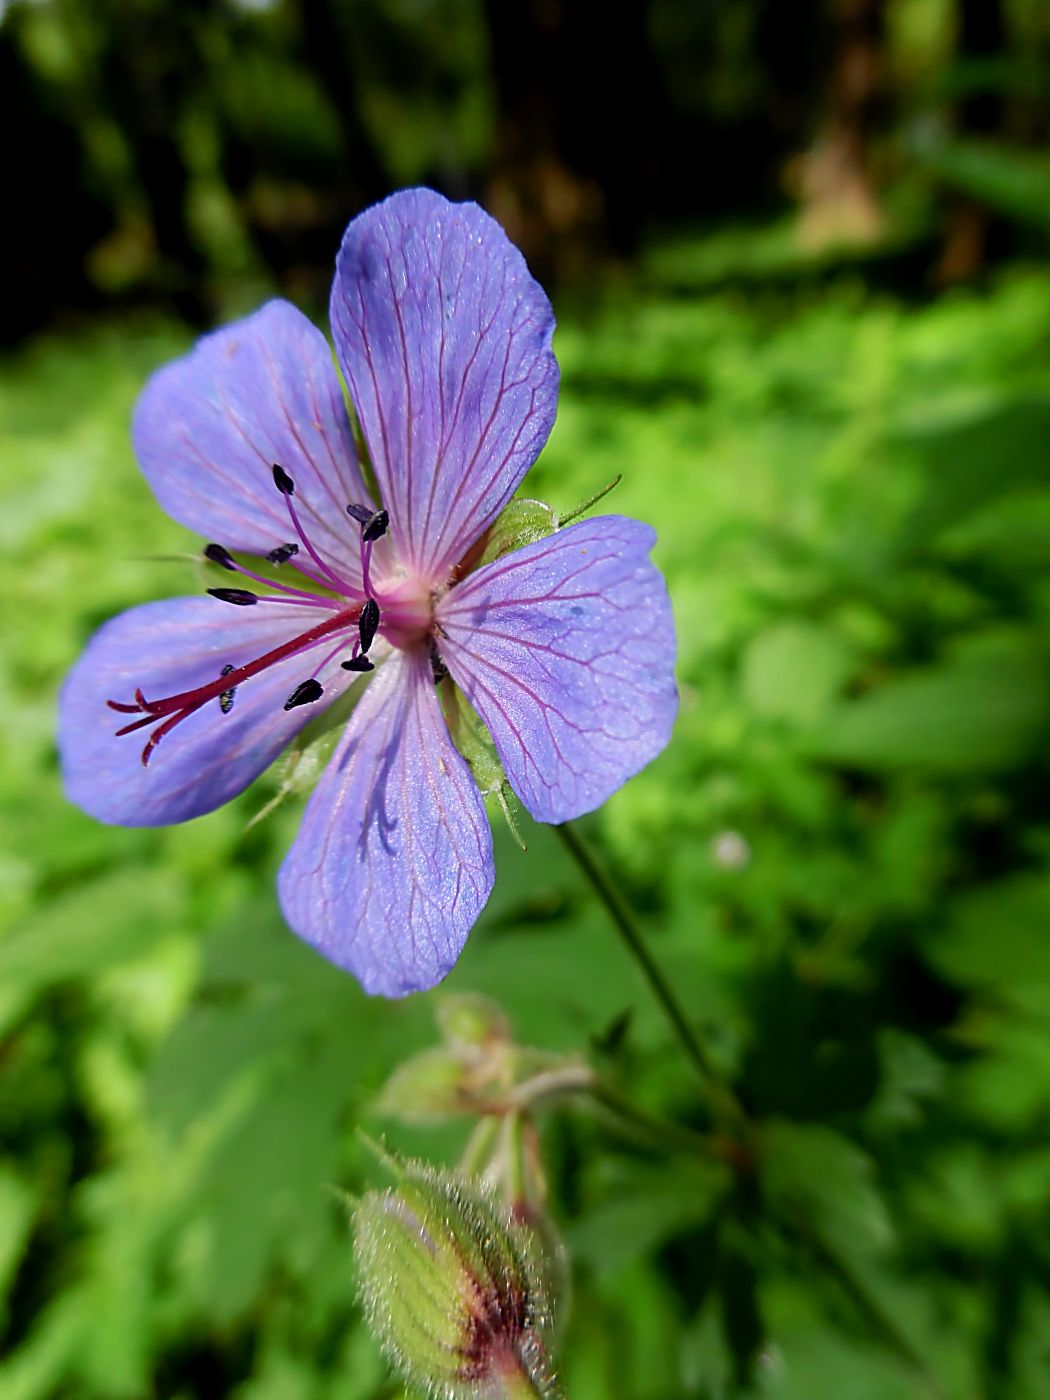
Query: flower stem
{"x": 723, "y": 1101}
{"x": 642, "y": 1125}
{"x": 649, "y": 1127}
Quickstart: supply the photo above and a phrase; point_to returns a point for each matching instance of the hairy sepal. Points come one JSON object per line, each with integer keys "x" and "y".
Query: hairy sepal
{"x": 474, "y": 742}
{"x": 522, "y": 522}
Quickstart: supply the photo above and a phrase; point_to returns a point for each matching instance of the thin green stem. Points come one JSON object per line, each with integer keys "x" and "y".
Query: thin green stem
{"x": 650, "y": 1127}
{"x": 723, "y": 1101}
{"x": 643, "y": 1125}
{"x": 875, "y": 1315}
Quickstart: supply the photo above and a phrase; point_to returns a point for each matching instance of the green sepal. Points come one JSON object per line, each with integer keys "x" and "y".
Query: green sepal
{"x": 474, "y": 742}
{"x": 433, "y": 1086}
{"x": 522, "y": 522}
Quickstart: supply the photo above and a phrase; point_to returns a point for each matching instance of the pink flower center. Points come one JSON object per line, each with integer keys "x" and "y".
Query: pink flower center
{"x": 406, "y": 611}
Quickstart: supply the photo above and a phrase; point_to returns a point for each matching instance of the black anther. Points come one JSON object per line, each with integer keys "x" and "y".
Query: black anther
{"x": 226, "y": 696}
{"x": 220, "y": 556}
{"x": 438, "y": 669}
{"x": 362, "y": 514}
{"x": 282, "y": 553}
{"x": 239, "y": 597}
{"x": 304, "y": 694}
{"x": 368, "y": 622}
{"x": 283, "y": 481}
{"x": 358, "y": 663}
{"x": 376, "y": 527}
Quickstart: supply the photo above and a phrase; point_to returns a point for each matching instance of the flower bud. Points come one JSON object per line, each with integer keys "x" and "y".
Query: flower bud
{"x": 453, "y": 1288}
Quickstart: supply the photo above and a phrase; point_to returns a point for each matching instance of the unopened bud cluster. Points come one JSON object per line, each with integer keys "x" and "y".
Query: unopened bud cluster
{"x": 453, "y": 1285}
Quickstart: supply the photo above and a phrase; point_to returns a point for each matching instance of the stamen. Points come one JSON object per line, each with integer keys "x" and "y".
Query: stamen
{"x": 358, "y": 663}
{"x": 304, "y": 694}
{"x": 226, "y": 696}
{"x": 220, "y": 556}
{"x": 438, "y": 669}
{"x": 173, "y": 709}
{"x": 366, "y": 567}
{"x": 368, "y": 623}
{"x": 376, "y": 527}
{"x": 286, "y": 486}
{"x": 239, "y": 597}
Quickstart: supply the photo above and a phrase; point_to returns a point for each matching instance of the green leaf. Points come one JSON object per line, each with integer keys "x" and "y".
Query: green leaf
{"x": 107, "y": 921}
{"x": 979, "y": 712}
{"x": 998, "y": 938}
{"x": 647, "y": 1208}
{"x": 18, "y": 1207}
{"x": 813, "y": 1175}
{"x": 793, "y": 671}
{"x": 1009, "y": 178}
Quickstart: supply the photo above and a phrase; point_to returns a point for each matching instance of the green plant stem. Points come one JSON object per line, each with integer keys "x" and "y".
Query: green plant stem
{"x": 723, "y": 1101}
{"x": 643, "y": 1125}
{"x": 877, "y": 1318}
{"x": 662, "y": 1132}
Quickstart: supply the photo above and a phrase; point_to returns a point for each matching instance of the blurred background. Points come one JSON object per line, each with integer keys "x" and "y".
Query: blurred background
{"x": 798, "y": 254}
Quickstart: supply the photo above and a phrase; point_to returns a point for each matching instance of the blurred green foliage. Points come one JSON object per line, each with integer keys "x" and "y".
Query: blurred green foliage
{"x": 843, "y": 859}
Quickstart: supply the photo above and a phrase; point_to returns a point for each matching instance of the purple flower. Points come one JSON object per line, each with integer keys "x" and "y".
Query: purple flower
{"x": 565, "y": 648}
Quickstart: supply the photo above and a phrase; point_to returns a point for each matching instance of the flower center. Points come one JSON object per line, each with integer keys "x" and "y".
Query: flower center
{"x": 406, "y": 610}
{"x": 398, "y": 607}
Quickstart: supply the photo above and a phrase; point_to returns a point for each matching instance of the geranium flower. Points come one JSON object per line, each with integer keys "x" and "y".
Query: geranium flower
{"x": 564, "y": 647}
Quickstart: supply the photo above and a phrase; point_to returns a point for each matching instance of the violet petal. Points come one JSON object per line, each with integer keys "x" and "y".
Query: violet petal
{"x": 393, "y": 862}
{"x": 566, "y": 650}
{"x": 445, "y": 341}
{"x": 209, "y": 427}
{"x": 166, "y": 648}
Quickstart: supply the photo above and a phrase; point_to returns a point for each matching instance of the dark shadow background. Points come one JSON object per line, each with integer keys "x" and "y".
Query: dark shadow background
{"x": 156, "y": 150}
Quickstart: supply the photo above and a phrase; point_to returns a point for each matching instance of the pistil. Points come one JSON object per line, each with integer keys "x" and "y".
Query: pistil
{"x": 172, "y": 709}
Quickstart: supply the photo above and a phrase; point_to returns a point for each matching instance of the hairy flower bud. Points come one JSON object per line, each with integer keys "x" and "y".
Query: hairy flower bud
{"x": 454, "y": 1288}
